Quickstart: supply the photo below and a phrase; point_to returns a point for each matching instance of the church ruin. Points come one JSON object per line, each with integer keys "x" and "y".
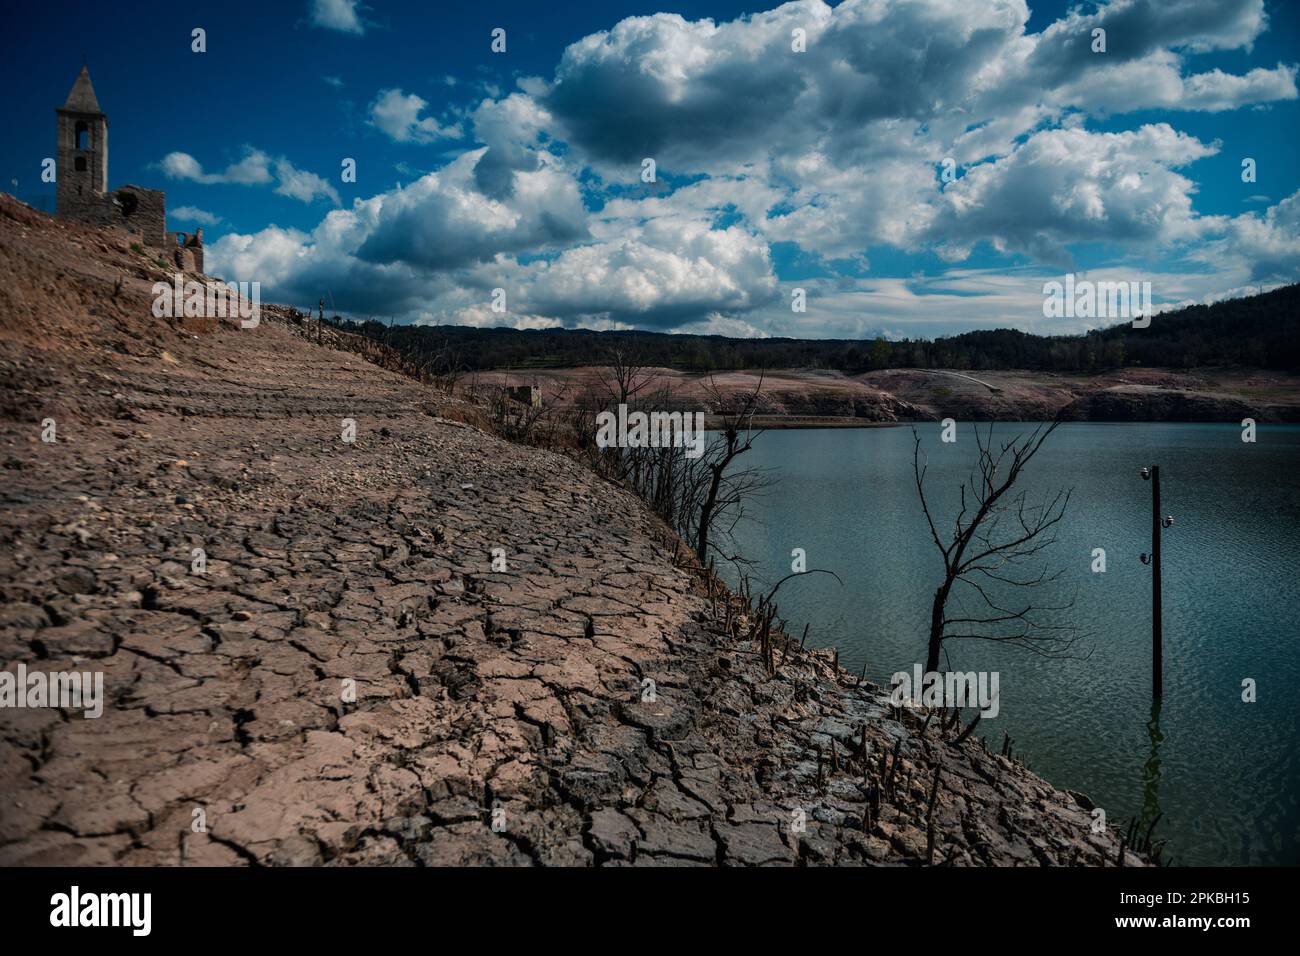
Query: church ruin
{"x": 82, "y": 182}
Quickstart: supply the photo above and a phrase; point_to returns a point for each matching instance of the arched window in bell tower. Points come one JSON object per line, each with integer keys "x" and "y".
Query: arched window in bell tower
{"x": 83, "y": 136}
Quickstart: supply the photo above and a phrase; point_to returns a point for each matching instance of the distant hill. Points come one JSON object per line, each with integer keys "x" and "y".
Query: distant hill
{"x": 1261, "y": 331}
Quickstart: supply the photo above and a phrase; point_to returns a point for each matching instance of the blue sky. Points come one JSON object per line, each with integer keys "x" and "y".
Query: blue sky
{"x": 776, "y": 169}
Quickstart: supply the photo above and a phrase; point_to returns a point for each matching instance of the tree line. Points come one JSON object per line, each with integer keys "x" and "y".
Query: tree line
{"x": 1261, "y": 331}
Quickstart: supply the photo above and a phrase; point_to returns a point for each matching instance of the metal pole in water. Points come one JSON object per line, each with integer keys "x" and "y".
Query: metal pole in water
{"x": 1157, "y": 640}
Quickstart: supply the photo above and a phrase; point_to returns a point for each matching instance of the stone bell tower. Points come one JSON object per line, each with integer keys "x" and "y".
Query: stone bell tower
{"x": 82, "y": 151}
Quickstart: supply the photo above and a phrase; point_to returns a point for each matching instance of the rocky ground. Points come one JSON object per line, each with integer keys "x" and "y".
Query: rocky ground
{"x": 582, "y": 700}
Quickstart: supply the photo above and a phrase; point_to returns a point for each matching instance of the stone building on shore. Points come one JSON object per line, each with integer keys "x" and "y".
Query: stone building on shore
{"x": 82, "y": 182}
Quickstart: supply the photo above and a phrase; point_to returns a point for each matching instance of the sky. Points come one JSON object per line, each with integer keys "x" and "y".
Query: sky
{"x": 916, "y": 167}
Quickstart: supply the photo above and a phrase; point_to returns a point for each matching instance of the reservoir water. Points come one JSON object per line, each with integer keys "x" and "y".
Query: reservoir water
{"x": 1224, "y": 774}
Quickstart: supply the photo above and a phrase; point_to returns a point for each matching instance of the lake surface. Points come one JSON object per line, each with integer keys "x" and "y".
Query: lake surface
{"x": 1225, "y": 774}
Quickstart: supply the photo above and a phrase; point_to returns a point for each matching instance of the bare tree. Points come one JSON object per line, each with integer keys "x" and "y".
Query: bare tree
{"x": 626, "y": 377}
{"x": 443, "y": 364}
{"x": 724, "y": 494}
{"x": 623, "y": 383}
{"x": 703, "y": 498}
{"x": 996, "y": 532}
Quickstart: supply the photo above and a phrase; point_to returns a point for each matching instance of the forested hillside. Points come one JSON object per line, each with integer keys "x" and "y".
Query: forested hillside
{"x": 1261, "y": 330}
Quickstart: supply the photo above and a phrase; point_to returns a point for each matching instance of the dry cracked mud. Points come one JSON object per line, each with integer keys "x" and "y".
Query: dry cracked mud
{"x": 500, "y": 716}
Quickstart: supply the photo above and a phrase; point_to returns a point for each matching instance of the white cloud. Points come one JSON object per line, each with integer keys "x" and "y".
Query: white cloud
{"x": 1262, "y": 249}
{"x": 696, "y": 94}
{"x": 442, "y": 220}
{"x": 194, "y": 214}
{"x": 512, "y": 130}
{"x": 300, "y": 184}
{"x": 340, "y": 15}
{"x": 255, "y": 169}
{"x": 1158, "y": 82}
{"x": 433, "y": 251}
{"x": 1070, "y": 185}
{"x": 397, "y": 114}
{"x": 664, "y": 274}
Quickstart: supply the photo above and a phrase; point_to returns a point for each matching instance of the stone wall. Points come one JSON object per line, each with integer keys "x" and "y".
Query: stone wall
{"x": 186, "y": 249}
{"x": 96, "y": 209}
{"x": 142, "y": 212}
{"x": 530, "y": 395}
{"x": 195, "y": 248}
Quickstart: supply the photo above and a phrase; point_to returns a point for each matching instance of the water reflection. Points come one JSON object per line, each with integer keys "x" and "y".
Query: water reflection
{"x": 1151, "y": 813}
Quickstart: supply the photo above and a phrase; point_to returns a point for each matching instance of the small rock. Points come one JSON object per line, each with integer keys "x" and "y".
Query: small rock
{"x": 297, "y": 850}
{"x": 76, "y": 581}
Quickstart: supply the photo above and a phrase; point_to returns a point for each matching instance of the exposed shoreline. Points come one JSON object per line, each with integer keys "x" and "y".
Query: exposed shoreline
{"x": 790, "y": 398}
{"x": 483, "y": 695}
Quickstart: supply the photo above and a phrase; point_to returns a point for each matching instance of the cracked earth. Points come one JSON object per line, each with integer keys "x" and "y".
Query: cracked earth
{"x": 347, "y": 680}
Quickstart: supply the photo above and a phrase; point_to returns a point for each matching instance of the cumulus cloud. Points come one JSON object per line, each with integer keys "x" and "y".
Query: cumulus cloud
{"x": 432, "y": 251}
{"x": 301, "y": 185}
{"x": 1158, "y": 82}
{"x": 1263, "y": 248}
{"x": 695, "y": 93}
{"x": 835, "y": 151}
{"x": 667, "y": 273}
{"x": 397, "y": 115}
{"x": 512, "y": 128}
{"x": 255, "y": 169}
{"x": 852, "y": 130}
{"x": 194, "y": 214}
{"x": 300, "y": 267}
{"x": 1070, "y": 185}
{"x": 340, "y": 15}
{"x": 442, "y": 220}
{"x": 1138, "y": 28}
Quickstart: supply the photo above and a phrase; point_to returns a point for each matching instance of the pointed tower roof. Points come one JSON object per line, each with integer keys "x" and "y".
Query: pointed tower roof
{"x": 82, "y": 97}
